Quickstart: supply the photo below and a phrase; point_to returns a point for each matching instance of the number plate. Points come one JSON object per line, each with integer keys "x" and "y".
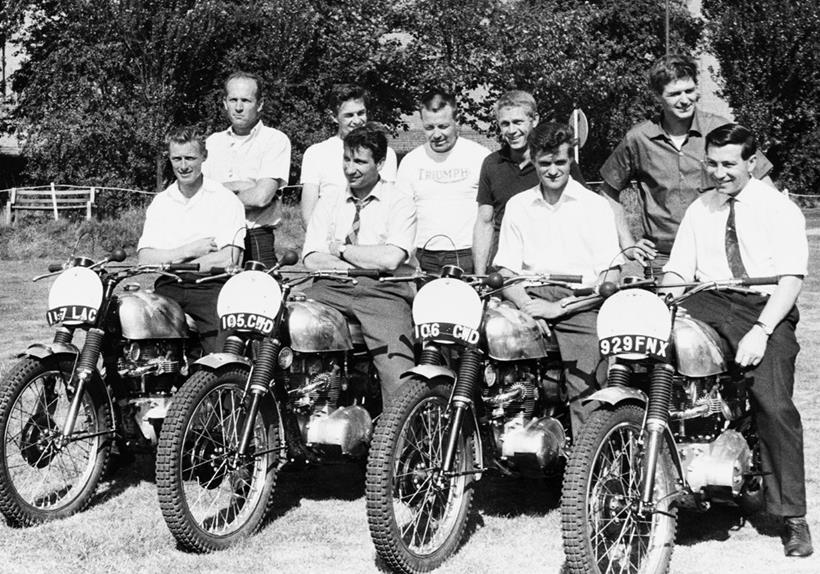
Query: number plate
{"x": 73, "y": 313}
{"x": 634, "y": 344}
{"x": 447, "y": 333}
{"x": 247, "y": 322}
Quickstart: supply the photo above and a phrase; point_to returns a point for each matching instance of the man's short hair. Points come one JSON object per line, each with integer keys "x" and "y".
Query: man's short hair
{"x": 437, "y": 99}
{"x": 369, "y": 136}
{"x": 517, "y": 99}
{"x": 548, "y": 137}
{"x": 186, "y": 134}
{"x": 341, "y": 93}
{"x": 729, "y": 134}
{"x": 240, "y": 75}
{"x": 671, "y": 68}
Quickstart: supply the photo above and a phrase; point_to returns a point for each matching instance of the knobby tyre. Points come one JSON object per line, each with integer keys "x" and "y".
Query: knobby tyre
{"x": 210, "y": 496}
{"x": 603, "y": 531}
{"x": 45, "y": 475}
{"x": 416, "y": 514}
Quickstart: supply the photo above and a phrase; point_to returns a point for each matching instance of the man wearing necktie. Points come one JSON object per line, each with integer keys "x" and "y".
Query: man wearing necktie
{"x": 370, "y": 226}
{"x": 745, "y": 228}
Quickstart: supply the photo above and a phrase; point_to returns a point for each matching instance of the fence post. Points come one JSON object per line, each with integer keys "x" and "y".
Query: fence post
{"x": 89, "y": 205}
{"x": 12, "y": 197}
{"x": 54, "y": 202}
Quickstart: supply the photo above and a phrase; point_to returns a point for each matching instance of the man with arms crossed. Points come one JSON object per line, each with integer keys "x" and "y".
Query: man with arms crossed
{"x": 559, "y": 226}
{"x": 252, "y": 160}
{"x": 665, "y": 156}
{"x": 442, "y": 178}
{"x": 745, "y": 228}
{"x": 195, "y": 220}
{"x": 322, "y": 171}
{"x": 371, "y": 226}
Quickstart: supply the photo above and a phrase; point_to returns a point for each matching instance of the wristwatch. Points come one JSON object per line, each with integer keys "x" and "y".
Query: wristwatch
{"x": 766, "y": 329}
{"x": 342, "y": 249}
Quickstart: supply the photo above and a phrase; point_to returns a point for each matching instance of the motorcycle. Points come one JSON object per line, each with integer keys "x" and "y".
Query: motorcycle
{"x": 487, "y": 393}
{"x": 62, "y": 407}
{"x": 292, "y": 367}
{"x": 674, "y": 431}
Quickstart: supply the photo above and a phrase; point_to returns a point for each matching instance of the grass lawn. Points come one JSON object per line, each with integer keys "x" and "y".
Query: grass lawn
{"x": 319, "y": 522}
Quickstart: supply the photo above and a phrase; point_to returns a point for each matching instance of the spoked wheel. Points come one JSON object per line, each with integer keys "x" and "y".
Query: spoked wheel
{"x": 417, "y": 514}
{"x": 210, "y": 496}
{"x": 603, "y": 527}
{"x": 44, "y": 474}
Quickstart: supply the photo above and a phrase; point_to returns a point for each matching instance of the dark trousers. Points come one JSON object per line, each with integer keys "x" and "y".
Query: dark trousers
{"x": 584, "y": 368}
{"x": 198, "y": 301}
{"x": 383, "y": 309}
{"x": 432, "y": 261}
{"x": 259, "y": 245}
{"x": 771, "y": 384}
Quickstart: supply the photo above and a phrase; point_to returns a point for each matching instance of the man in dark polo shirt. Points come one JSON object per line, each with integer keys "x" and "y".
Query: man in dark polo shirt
{"x": 506, "y": 172}
{"x": 665, "y": 155}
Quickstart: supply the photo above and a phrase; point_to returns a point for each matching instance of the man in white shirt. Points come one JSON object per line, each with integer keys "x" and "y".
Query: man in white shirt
{"x": 322, "y": 171}
{"x": 560, "y": 227}
{"x": 745, "y": 228}
{"x": 252, "y": 160}
{"x": 371, "y": 226}
{"x": 442, "y": 178}
{"x": 195, "y": 220}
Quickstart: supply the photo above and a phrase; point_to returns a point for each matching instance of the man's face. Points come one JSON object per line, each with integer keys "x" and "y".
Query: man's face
{"x": 553, "y": 168}
{"x": 440, "y": 128}
{"x": 241, "y": 105}
{"x": 678, "y": 99}
{"x": 515, "y": 125}
{"x": 727, "y": 168}
{"x": 352, "y": 114}
{"x": 186, "y": 161}
{"x": 361, "y": 171}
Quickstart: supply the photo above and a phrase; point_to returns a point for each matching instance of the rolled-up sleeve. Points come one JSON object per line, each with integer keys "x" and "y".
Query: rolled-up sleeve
{"x": 275, "y": 161}
{"x": 401, "y": 225}
{"x": 152, "y": 229}
{"x": 510, "y": 252}
{"x": 683, "y": 258}
{"x": 232, "y": 224}
{"x": 617, "y": 169}
{"x": 318, "y": 230}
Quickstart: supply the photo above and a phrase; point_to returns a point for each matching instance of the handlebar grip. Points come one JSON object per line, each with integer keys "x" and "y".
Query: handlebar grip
{"x": 761, "y": 280}
{"x": 566, "y": 278}
{"x": 583, "y": 292}
{"x": 217, "y": 270}
{"x": 54, "y": 267}
{"x": 372, "y": 273}
{"x": 183, "y": 267}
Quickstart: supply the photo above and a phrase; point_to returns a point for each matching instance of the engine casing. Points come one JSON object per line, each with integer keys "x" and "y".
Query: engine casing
{"x": 146, "y": 315}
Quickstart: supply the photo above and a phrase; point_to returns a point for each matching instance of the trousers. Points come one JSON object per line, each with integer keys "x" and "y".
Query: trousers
{"x": 433, "y": 261}
{"x": 771, "y": 383}
{"x": 198, "y": 301}
{"x": 259, "y": 243}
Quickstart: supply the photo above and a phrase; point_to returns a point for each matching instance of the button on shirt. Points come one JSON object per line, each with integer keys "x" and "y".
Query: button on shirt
{"x": 771, "y": 232}
{"x": 265, "y": 152}
{"x": 576, "y": 235}
{"x": 323, "y": 165}
{"x": 444, "y": 188}
{"x": 669, "y": 179}
{"x": 388, "y": 219}
{"x": 172, "y": 220}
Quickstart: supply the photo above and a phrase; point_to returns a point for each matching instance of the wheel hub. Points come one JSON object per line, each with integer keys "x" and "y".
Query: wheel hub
{"x": 37, "y": 444}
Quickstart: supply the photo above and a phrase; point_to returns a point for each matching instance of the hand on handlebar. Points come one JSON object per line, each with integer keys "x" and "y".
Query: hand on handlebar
{"x": 545, "y": 309}
{"x": 643, "y": 251}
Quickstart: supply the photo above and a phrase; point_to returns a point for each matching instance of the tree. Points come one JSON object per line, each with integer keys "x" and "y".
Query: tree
{"x": 769, "y": 57}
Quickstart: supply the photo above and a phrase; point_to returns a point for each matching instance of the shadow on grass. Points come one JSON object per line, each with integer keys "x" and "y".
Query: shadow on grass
{"x": 719, "y": 523}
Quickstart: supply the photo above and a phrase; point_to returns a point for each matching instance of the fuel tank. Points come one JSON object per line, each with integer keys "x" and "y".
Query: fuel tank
{"x": 700, "y": 350}
{"x": 315, "y": 327}
{"x": 146, "y": 315}
{"x": 513, "y": 335}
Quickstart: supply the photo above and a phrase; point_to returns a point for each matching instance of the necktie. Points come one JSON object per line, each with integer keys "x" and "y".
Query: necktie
{"x": 732, "y": 246}
{"x": 352, "y": 237}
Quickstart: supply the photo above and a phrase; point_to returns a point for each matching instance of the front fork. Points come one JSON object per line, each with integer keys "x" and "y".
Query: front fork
{"x": 260, "y": 381}
{"x": 657, "y": 419}
{"x": 86, "y": 366}
{"x": 462, "y": 397}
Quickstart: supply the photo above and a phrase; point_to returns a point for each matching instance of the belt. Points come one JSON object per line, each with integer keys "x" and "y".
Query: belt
{"x": 465, "y": 251}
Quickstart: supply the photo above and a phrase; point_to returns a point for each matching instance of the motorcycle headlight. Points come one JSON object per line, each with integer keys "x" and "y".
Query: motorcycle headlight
{"x": 285, "y": 358}
{"x": 490, "y": 375}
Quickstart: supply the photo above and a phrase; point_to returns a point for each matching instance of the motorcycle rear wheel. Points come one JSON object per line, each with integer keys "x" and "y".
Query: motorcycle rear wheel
{"x": 44, "y": 477}
{"x": 416, "y": 516}
{"x": 601, "y": 526}
{"x": 210, "y": 497}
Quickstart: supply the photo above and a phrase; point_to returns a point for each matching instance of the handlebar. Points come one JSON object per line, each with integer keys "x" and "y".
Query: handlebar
{"x": 54, "y": 267}
{"x": 182, "y": 267}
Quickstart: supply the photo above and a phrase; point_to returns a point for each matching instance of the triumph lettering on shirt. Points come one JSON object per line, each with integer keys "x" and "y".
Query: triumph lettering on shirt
{"x": 451, "y": 175}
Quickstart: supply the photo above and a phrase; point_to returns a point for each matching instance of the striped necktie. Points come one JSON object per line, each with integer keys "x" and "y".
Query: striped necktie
{"x": 352, "y": 237}
{"x": 732, "y": 245}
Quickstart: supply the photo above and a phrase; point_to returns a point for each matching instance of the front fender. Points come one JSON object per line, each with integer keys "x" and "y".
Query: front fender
{"x": 430, "y": 372}
{"x": 615, "y": 395}
{"x": 216, "y": 361}
{"x": 42, "y": 351}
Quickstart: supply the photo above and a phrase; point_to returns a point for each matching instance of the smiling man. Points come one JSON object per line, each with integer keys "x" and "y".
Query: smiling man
{"x": 442, "y": 178}
{"x": 745, "y": 228}
{"x": 322, "y": 170}
{"x": 665, "y": 155}
{"x": 252, "y": 160}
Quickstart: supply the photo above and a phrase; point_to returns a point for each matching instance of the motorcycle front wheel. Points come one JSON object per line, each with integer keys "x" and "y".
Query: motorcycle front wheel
{"x": 416, "y": 514}
{"x": 210, "y": 496}
{"x": 45, "y": 474}
{"x": 603, "y": 528}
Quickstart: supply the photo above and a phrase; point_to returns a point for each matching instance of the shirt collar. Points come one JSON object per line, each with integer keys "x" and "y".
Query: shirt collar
{"x": 375, "y": 193}
{"x": 655, "y": 129}
{"x": 254, "y": 130}
{"x": 176, "y": 194}
{"x": 571, "y": 192}
{"x": 505, "y": 155}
